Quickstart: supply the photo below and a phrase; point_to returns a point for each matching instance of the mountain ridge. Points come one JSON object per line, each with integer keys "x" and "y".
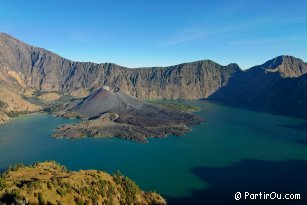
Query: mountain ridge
{"x": 23, "y": 66}
{"x": 5, "y": 35}
{"x": 276, "y": 86}
{"x": 287, "y": 66}
{"x": 275, "y": 59}
{"x": 39, "y": 67}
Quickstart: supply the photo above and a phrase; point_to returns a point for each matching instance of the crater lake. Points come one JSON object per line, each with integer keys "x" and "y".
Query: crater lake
{"x": 233, "y": 150}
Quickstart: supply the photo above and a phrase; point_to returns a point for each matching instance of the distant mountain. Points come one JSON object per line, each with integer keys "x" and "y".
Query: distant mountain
{"x": 43, "y": 70}
{"x": 286, "y": 66}
{"x": 279, "y": 85}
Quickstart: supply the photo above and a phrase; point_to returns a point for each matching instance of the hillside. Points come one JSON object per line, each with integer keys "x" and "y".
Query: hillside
{"x": 12, "y": 104}
{"x": 279, "y": 85}
{"x": 51, "y": 183}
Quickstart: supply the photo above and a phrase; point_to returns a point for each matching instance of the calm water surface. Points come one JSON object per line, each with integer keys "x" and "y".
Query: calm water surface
{"x": 231, "y": 147}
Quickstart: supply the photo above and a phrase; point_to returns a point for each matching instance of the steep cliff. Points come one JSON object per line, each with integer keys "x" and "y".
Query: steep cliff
{"x": 46, "y": 71}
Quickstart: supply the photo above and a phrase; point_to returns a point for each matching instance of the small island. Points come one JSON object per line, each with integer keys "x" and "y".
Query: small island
{"x": 110, "y": 112}
{"x": 51, "y": 183}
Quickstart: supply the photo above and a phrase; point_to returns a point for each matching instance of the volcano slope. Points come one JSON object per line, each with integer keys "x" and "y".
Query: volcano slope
{"x": 111, "y": 112}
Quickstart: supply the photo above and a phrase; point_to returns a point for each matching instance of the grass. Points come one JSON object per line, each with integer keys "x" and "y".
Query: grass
{"x": 2, "y": 183}
{"x": 51, "y": 183}
{"x": 173, "y": 104}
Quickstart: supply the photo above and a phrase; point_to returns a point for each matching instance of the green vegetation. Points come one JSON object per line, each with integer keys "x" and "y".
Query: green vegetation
{"x": 3, "y": 105}
{"x": 13, "y": 197}
{"x": 61, "y": 191}
{"x": 49, "y": 185}
{"x": 2, "y": 183}
{"x": 59, "y": 104}
{"x": 130, "y": 189}
{"x": 16, "y": 167}
{"x": 41, "y": 201}
{"x": 13, "y": 114}
{"x": 79, "y": 201}
{"x": 175, "y": 105}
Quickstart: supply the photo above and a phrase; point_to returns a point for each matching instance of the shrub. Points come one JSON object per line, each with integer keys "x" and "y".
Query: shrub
{"x": 117, "y": 177}
{"x": 16, "y": 167}
{"x": 58, "y": 202}
{"x": 94, "y": 199}
{"x": 49, "y": 203}
{"x": 60, "y": 191}
{"x": 79, "y": 201}
{"x": 2, "y": 183}
{"x": 41, "y": 201}
{"x": 13, "y": 197}
{"x": 110, "y": 192}
{"x": 49, "y": 185}
{"x": 3, "y": 105}
{"x": 33, "y": 185}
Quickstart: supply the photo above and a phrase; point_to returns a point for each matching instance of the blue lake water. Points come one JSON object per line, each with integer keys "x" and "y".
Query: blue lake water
{"x": 233, "y": 150}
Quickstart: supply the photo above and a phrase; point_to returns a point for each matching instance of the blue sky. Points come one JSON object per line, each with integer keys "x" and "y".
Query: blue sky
{"x": 139, "y": 33}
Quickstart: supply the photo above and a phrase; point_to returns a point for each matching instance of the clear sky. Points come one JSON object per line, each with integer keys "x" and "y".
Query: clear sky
{"x": 138, "y": 33}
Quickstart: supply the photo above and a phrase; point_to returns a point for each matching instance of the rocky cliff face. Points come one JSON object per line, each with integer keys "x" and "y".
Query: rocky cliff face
{"x": 44, "y": 70}
{"x": 285, "y": 66}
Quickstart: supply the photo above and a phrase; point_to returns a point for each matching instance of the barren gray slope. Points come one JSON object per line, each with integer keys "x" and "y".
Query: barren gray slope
{"x": 105, "y": 100}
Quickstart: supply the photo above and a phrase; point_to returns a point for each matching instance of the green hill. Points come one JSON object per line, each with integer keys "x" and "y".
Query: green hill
{"x": 51, "y": 183}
